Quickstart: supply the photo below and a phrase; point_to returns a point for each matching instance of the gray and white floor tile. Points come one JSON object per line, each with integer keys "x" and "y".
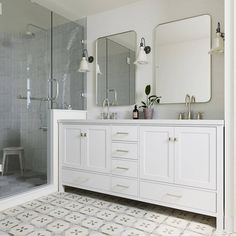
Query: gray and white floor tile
{"x": 85, "y": 213}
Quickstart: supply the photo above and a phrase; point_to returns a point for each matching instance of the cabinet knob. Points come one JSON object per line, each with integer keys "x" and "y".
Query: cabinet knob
{"x": 81, "y": 135}
{"x": 175, "y": 139}
{"x": 85, "y": 134}
{"x": 170, "y": 139}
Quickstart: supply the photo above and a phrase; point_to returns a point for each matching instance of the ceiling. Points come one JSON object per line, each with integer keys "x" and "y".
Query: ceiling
{"x": 76, "y": 9}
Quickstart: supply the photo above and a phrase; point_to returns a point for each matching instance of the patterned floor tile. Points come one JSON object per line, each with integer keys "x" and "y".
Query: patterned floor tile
{"x": 40, "y": 233}
{"x": 112, "y": 229}
{"x": 201, "y": 228}
{"x": 58, "y": 226}
{"x": 89, "y": 210}
{"x": 77, "y": 230}
{"x": 133, "y": 232}
{"x": 41, "y": 221}
{"x": 8, "y": 223}
{"x": 59, "y": 212}
{"x": 106, "y": 215}
{"x": 75, "y": 217}
{"x": 44, "y": 208}
{"x": 155, "y": 217}
{"x": 27, "y": 215}
{"x": 125, "y": 220}
{"x": 93, "y": 223}
{"x": 164, "y": 230}
{"x": 22, "y": 229}
{"x": 117, "y": 208}
{"x": 176, "y": 222}
{"x": 145, "y": 225}
{"x": 73, "y": 206}
{"x": 68, "y": 214}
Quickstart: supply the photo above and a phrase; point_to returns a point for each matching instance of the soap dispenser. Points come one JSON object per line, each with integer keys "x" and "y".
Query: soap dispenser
{"x": 135, "y": 113}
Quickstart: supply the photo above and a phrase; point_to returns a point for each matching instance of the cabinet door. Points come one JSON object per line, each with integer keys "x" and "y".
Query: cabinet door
{"x": 70, "y": 145}
{"x": 195, "y": 154}
{"x": 98, "y": 148}
{"x": 156, "y": 153}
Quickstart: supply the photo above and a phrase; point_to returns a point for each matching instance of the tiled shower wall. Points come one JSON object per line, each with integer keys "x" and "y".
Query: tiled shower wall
{"x": 20, "y": 126}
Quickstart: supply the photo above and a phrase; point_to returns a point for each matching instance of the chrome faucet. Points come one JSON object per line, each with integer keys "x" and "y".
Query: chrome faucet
{"x": 106, "y": 115}
{"x": 188, "y": 102}
{"x": 115, "y": 102}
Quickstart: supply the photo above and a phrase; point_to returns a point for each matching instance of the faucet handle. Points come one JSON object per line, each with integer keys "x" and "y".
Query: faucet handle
{"x": 187, "y": 99}
{"x": 193, "y": 99}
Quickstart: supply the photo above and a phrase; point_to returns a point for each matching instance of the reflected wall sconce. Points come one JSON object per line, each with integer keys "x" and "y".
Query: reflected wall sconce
{"x": 98, "y": 69}
{"x": 218, "y": 45}
{"x": 84, "y": 66}
{"x": 142, "y": 53}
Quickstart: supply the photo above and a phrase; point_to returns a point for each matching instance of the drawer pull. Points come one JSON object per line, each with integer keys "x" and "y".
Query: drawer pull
{"x": 122, "y": 168}
{"x": 173, "y": 195}
{"x": 124, "y": 151}
{"x": 122, "y": 133}
{"x": 122, "y": 186}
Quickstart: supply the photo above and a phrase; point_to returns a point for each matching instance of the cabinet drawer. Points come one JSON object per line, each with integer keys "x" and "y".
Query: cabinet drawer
{"x": 124, "y": 133}
{"x": 124, "y": 186}
{"x": 191, "y": 198}
{"x": 125, "y": 150}
{"x": 125, "y": 168}
{"x": 82, "y": 179}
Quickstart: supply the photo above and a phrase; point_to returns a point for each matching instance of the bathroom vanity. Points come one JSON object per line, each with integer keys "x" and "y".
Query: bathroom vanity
{"x": 173, "y": 163}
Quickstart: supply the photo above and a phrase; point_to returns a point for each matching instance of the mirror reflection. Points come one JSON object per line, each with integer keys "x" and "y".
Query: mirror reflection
{"x": 115, "y": 69}
{"x": 183, "y": 63}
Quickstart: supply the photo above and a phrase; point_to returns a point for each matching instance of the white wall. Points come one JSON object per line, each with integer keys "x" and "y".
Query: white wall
{"x": 143, "y": 17}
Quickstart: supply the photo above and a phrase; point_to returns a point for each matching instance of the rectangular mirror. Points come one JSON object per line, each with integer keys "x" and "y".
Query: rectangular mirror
{"x": 115, "y": 70}
{"x": 182, "y": 60}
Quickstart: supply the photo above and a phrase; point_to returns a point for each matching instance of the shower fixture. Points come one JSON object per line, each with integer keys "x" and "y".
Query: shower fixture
{"x": 30, "y": 33}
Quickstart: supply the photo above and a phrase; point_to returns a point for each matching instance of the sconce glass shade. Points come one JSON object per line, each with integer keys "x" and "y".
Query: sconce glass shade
{"x": 83, "y": 67}
{"x": 218, "y": 46}
{"x": 98, "y": 69}
{"x": 142, "y": 57}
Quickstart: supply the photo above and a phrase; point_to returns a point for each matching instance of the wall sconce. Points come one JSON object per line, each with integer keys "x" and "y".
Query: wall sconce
{"x": 84, "y": 67}
{"x": 218, "y": 46}
{"x": 142, "y": 53}
{"x": 98, "y": 69}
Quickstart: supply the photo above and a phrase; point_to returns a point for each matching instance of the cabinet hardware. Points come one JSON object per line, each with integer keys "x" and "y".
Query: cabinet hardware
{"x": 85, "y": 134}
{"x": 122, "y": 186}
{"x": 170, "y": 139}
{"x": 81, "y": 135}
{"x": 122, "y": 168}
{"x": 124, "y": 151}
{"x": 173, "y": 195}
{"x": 175, "y": 139}
{"x": 124, "y": 133}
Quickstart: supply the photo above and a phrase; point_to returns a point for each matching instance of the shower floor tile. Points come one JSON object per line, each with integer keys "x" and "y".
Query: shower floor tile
{"x": 13, "y": 183}
{"x": 85, "y": 213}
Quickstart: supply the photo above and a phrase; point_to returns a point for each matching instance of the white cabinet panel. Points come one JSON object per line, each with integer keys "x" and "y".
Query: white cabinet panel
{"x": 195, "y": 157}
{"x": 85, "y": 180}
{"x": 124, "y": 133}
{"x": 97, "y": 155}
{"x": 179, "y": 196}
{"x": 125, "y": 150}
{"x": 70, "y": 137}
{"x": 125, "y": 168}
{"x": 156, "y": 153}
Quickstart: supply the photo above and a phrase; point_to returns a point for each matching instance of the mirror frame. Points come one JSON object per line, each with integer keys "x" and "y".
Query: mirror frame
{"x": 155, "y": 58}
{"x": 96, "y": 60}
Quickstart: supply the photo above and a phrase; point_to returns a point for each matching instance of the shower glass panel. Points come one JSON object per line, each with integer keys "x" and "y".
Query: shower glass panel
{"x": 68, "y": 44}
{"x": 25, "y": 72}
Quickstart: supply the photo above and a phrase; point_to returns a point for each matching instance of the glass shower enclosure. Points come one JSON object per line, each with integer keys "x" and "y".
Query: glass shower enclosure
{"x": 39, "y": 56}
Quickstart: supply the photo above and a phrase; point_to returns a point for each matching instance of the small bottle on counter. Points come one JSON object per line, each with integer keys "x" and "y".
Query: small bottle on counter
{"x": 135, "y": 113}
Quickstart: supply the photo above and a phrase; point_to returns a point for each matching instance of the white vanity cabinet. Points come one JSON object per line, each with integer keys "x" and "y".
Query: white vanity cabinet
{"x": 181, "y": 155}
{"x": 174, "y": 163}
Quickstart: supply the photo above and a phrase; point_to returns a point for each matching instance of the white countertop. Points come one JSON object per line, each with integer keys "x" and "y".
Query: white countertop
{"x": 154, "y": 122}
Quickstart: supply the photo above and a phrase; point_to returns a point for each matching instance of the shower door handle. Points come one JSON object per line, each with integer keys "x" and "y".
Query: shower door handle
{"x": 50, "y": 83}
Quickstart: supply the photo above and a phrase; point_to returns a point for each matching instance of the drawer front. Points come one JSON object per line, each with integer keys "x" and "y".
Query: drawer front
{"x": 125, "y": 168}
{"x": 190, "y": 198}
{"x": 82, "y": 179}
{"x": 125, "y": 150}
{"x": 124, "y": 133}
{"x": 124, "y": 186}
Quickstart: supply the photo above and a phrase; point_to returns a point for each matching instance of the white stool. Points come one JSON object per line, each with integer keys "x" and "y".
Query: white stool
{"x": 10, "y": 151}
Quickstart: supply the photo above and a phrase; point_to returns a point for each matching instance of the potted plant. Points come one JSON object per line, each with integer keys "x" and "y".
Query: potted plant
{"x": 149, "y": 103}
